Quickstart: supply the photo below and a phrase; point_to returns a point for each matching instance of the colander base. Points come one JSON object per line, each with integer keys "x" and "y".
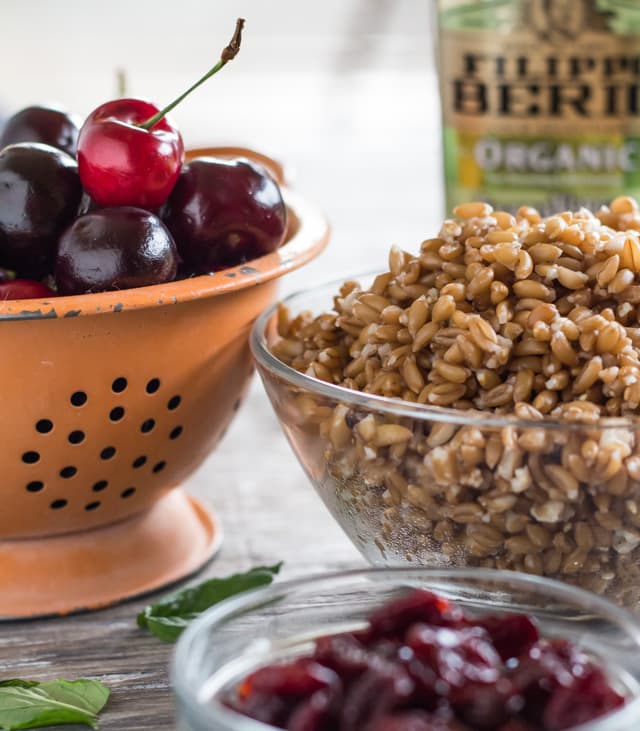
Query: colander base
{"x": 96, "y": 568}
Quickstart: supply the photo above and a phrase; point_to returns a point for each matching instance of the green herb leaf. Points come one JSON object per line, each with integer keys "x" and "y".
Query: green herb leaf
{"x": 28, "y": 704}
{"x": 168, "y": 617}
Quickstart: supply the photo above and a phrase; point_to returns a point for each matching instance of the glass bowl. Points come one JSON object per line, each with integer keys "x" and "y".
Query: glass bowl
{"x": 256, "y": 628}
{"x": 429, "y": 485}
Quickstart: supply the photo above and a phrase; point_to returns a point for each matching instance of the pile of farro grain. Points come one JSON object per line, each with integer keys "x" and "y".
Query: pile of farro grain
{"x": 499, "y": 312}
{"x": 508, "y": 315}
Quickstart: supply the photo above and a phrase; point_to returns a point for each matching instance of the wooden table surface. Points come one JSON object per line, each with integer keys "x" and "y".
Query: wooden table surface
{"x": 361, "y": 131}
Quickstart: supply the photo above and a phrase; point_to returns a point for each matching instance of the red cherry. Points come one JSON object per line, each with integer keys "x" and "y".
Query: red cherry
{"x": 129, "y": 153}
{"x": 121, "y": 163}
{"x": 24, "y": 289}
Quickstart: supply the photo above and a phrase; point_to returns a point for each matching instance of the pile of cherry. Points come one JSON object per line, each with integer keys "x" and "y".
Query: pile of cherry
{"x": 110, "y": 205}
{"x": 423, "y": 665}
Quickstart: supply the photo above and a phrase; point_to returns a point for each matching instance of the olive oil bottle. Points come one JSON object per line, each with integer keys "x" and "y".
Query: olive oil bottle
{"x": 540, "y": 101}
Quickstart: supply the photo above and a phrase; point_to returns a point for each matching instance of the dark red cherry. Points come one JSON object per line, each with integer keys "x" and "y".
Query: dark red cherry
{"x": 114, "y": 248}
{"x": 42, "y": 124}
{"x": 39, "y": 195}
{"x": 225, "y": 212}
{"x": 24, "y": 289}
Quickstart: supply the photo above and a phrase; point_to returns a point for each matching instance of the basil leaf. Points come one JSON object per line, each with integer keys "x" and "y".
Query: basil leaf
{"x": 28, "y": 704}
{"x": 168, "y": 617}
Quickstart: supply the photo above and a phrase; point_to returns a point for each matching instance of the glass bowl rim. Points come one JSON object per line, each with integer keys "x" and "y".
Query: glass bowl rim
{"x": 395, "y": 406}
{"x": 240, "y": 603}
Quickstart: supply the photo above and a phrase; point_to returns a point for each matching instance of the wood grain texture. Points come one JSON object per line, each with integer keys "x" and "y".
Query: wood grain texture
{"x": 363, "y": 134}
{"x": 269, "y": 513}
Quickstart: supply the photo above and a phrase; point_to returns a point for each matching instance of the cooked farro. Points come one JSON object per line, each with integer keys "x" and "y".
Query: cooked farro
{"x": 509, "y": 315}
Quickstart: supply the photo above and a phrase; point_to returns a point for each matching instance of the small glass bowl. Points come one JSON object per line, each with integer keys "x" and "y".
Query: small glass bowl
{"x": 254, "y": 629}
{"x": 434, "y": 486}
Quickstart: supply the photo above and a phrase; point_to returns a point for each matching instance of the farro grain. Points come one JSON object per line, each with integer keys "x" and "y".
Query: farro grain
{"x": 530, "y": 288}
{"x": 545, "y": 253}
{"x": 570, "y": 263}
{"x": 571, "y": 279}
{"x": 623, "y": 204}
{"x": 524, "y": 265}
{"x": 623, "y": 279}
{"x": 412, "y": 375}
{"x": 520, "y": 545}
{"x": 387, "y": 434}
{"x": 473, "y": 210}
{"x": 499, "y": 292}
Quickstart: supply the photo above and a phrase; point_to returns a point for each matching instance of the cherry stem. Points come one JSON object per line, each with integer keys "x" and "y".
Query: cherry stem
{"x": 121, "y": 82}
{"x": 228, "y": 54}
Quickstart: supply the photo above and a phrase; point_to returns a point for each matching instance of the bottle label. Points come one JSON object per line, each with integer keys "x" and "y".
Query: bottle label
{"x": 541, "y": 109}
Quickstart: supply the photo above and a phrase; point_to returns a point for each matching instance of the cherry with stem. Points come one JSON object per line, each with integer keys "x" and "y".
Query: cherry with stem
{"x": 130, "y": 154}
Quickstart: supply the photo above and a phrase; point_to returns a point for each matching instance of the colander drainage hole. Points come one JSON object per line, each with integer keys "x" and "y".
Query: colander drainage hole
{"x": 92, "y": 506}
{"x": 153, "y": 385}
{"x": 57, "y": 504}
{"x": 139, "y": 461}
{"x": 76, "y": 437}
{"x": 173, "y": 403}
{"x": 159, "y": 467}
{"x": 119, "y": 385}
{"x": 116, "y": 413}
{"x": 35, "y": 486}
{"x": 100, "y": 486}
{"x": 128, "y": 492}
{"x": 44, "y": 426}
{"x": 175, "y": 433}
{"x": 108, "y": 453}
{"x": 68, "y": 472}
{"x": 147, "y": 426}
{"x": 31, "y": 457}
{"x": 79, "y": 398}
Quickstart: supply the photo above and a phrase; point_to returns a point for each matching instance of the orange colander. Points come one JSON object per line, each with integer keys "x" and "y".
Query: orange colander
{"x": 109, "y": 401}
